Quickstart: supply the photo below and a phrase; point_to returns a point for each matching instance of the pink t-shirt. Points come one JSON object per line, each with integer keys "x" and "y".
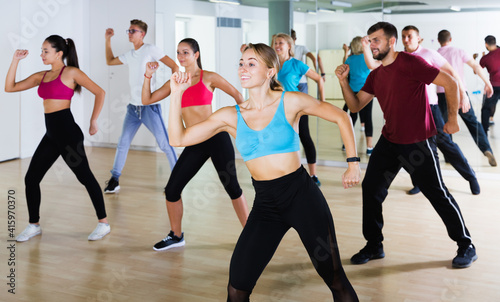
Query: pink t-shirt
{"x": 457, "y": 58}
{"x": 400, "y": 90}
{"x": 435, "y": 59}
{"x": 492, "y": 63}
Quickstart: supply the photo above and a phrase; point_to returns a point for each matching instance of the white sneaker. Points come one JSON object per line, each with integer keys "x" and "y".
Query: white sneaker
{"x": 100, "y": 231}
{"x": 31, "y": 230}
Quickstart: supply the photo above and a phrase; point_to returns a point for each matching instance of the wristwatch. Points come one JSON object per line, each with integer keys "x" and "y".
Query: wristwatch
{"x": 353, "y": 159}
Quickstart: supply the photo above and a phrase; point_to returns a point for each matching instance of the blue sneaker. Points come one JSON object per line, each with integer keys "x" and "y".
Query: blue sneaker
{"x": 316, "y": 180}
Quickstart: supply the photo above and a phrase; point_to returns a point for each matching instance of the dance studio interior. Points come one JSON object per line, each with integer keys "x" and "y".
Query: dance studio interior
{"x": 61, "y": 264}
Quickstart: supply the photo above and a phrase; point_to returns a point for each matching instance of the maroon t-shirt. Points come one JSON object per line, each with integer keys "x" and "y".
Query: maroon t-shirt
{"x": 400, "y": 90}
{"x": 492, "y": 63}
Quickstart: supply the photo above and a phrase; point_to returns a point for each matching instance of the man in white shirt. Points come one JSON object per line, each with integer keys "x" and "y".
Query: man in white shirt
{"x": 138, "y": 114}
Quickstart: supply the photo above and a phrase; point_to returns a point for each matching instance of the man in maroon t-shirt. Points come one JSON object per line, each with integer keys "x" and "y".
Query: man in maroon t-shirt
{"x": 407, "y": 140}
{"x": 492, "y": 63}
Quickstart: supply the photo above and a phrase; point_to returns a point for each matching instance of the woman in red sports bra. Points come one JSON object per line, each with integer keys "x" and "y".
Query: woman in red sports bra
{"x": 63, "y": 137}
{"x": 196, "y": 107}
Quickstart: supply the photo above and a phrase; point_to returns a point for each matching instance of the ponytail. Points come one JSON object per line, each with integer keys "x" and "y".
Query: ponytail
{"x": 195, "y": 47}
{"x": 67, "y": 46}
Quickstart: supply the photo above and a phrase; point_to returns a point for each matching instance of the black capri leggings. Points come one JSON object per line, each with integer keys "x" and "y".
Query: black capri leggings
{"x": 221, "y": 150}
{"x": 63, "y": 138}
{"x": 306, "y": 140}
{"x": 291, "y": 201}
{"x": 365, "y": 115}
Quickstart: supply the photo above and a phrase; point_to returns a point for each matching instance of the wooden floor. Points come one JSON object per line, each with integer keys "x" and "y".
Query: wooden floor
{"x": 61, "y": 265}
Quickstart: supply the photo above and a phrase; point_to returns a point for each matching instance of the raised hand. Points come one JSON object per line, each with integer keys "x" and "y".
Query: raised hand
{"x": 20, "y": 54}
{"x": 342, "y": 71}
{"x": 109, "y": 33}
{"x": 180, "y": 81}
{"x": 151, "y": 67}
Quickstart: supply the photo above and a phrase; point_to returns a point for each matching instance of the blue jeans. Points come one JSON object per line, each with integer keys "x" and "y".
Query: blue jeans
{"x": 470, "y": 120}
{"x": 134, "y": 118}
{"x": 488, "y": 108}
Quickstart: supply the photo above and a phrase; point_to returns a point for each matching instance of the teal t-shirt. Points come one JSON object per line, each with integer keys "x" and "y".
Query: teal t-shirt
{"x": 291, "y": 72}
{"x": 358, "y": 71}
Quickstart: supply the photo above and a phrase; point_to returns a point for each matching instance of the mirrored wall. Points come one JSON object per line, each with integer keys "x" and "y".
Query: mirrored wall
{"x": 221, "y": 28}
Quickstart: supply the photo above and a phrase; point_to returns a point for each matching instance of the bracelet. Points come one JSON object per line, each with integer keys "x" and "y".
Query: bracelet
{"x": 322, "y": 74}
{"x": 147, "y": 77}
{"x": 353, "y": 159}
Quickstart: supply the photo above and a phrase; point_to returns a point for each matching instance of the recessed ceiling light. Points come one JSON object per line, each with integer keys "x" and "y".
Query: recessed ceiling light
{"x": 341, "y": 3}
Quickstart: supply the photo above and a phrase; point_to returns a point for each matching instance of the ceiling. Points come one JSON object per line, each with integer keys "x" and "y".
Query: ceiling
{"x": 390, "y": 7}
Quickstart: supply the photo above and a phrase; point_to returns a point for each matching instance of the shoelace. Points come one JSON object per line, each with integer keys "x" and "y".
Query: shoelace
{"x": 167, "y": 238}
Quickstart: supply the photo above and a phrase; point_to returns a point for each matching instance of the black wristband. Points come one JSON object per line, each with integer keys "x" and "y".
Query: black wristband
{"x": 353, "y": 159}
{"x": 322, "y": 74}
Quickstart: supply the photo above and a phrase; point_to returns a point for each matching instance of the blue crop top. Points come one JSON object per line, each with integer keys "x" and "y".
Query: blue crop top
{"x": 277, "y": 137}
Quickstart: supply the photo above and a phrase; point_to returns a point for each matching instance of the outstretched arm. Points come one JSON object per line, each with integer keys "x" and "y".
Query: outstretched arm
{"x": 10, "y": 81}
{"x": 181, "y": 136}
{"x": 329, "y": 112}
{"x": 464, "y": 100}
{"x": 355, "y": 102}
{"x": 488, "y": 88}
{"x": 224, "y": 85}
{"x": 318, "y": 79}
{"x": 170, "y": 63}
{"x": 147, "y": 97}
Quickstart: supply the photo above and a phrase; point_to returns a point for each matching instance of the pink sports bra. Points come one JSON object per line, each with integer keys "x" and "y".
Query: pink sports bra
{"x": 197, "y": 95}
{"x": 55, "y": 89}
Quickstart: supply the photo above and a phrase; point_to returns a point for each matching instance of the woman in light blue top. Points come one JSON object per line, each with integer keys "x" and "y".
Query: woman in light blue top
{"x": 291, "y": 70}
{"x": 358, "y": 72}
{"x": 265, "y": 128}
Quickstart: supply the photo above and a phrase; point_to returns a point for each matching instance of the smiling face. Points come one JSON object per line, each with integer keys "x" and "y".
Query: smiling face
{"x": 411, "y": 39}
{"x": 379, "y": 44}
{"x": 49, "y": 54}
{"x": 281, "y": 47}
{"x": 252, "y": 71}
{"x": 185, "y": 54}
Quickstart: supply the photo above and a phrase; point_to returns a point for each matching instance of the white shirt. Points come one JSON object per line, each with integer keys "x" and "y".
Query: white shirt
{"x": 136, "y": 61}
{"x": 300, "y": 54}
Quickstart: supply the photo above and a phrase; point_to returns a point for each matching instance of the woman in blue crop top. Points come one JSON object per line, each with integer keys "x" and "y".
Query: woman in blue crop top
{"x": 285, "y": 195}
{"x": 63, "y": 137}
{"x": 196, "y": 107}
{"x": 290, "y": 72}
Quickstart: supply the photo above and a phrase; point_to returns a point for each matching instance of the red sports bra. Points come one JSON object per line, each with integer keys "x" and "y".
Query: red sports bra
{"x": 55, "y": 89}
{"x": 197, "y": 95}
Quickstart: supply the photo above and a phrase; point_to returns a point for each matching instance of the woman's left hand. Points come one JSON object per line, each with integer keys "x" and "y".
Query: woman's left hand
{"x": 93, "y": 127}
{"x": 351, "y": 176}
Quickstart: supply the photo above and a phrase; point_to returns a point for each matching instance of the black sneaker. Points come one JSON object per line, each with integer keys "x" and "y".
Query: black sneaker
{"x": 169, "y": 242}
{"x": 316, "y": 180}
{"x": 368, "y": 253}
{"x": 465, "y": 257}
{"x": 413, "y": 191}
{"x": 112, "y": 186}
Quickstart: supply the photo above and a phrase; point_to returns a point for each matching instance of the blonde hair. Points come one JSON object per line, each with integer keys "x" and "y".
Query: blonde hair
{"x": 269, "y": 57}
{"x": 356, "y": 46}
{"x": 288, "y": 40}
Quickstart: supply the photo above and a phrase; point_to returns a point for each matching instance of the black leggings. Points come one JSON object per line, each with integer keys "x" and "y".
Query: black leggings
{"x": 306, "y": 140}
{"x": 365, "y": 115}
{"x": 63, "y": 138}
{"x": 291, "y": 201}
{"x": 221, "y": 150}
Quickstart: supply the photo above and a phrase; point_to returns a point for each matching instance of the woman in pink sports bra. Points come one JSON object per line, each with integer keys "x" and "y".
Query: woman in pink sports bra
{"x": 63, "y": 137}
{"x": 196, "y": 107}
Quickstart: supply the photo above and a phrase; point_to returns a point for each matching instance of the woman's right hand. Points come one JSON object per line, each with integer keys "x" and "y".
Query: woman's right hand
{"x": 151, "y": 67}
{"x": 180, "y": 81}
{"x": 20, "y": 54}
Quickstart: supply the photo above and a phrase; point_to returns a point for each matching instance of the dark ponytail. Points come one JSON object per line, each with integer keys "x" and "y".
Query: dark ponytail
{"x": 195, "y": 47}
{"x": 67, "y": 46}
